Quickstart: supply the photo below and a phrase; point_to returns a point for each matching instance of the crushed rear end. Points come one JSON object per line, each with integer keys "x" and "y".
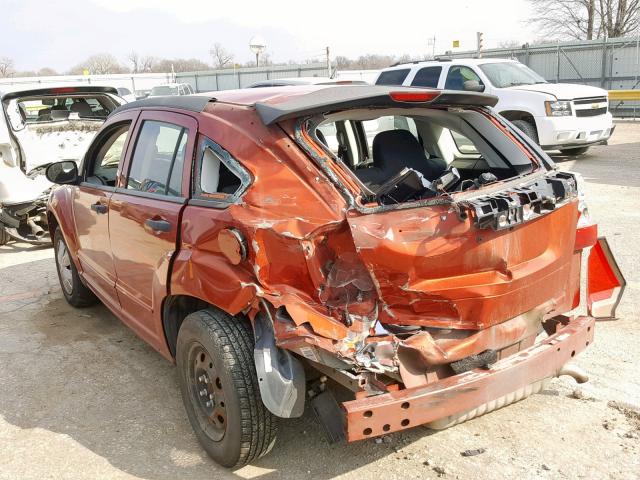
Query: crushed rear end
{"x": 452, "y": 299}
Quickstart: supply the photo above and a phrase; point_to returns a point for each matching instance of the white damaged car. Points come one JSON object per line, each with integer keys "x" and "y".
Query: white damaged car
{"x": 39, "y": 126}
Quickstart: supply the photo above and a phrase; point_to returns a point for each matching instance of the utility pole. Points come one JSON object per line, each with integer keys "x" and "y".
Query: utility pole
{"x": 328, "y": 63}
{"x": 431, "y": 42}
{"x": 480, "y": 44}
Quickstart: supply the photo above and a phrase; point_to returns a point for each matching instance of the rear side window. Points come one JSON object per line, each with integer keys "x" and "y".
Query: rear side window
{"x": 427, "y": 77}
{"x": 218, "y": 175}
{"x": 393, "y": 77}
{"x": 156, "y": 166}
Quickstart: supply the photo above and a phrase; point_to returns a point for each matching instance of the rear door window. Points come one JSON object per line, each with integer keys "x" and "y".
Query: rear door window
{"x": 156, "y": 166}
{"x": 427, "y": 77}
{"x": 393, "y": 77}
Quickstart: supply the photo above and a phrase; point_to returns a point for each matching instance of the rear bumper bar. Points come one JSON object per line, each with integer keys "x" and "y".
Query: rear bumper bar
{"x": 390, "y": 412}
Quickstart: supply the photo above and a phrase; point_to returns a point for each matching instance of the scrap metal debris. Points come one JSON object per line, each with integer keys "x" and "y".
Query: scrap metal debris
{"x": 473, "y": 452}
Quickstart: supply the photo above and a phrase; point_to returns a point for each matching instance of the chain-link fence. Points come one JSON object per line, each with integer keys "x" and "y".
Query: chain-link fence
{"x": 612, "y": 64}
{"x": 231, "y": 78}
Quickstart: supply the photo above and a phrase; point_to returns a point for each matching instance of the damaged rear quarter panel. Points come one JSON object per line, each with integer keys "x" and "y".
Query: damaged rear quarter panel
{"x": 285, "y": 215}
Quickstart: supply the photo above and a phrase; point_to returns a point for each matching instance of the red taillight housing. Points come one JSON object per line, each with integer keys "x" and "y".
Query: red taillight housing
{"x": 419, "y": 96}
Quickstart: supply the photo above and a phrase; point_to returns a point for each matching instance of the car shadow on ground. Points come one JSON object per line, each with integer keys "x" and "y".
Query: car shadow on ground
{"x": 84, "y": 379}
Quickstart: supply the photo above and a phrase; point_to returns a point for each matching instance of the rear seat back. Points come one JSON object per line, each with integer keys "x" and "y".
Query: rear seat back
{"x": 394, "y": 150}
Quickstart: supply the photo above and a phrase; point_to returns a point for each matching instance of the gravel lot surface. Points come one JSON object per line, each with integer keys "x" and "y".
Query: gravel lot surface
{"x": 82, "y": 397}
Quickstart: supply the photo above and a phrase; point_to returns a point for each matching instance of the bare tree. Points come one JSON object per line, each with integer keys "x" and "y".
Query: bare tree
{"x": 509, "y": 44}
{"x": 99, "y": 64}
{"x": 619, "y": 17}
{"x": 221, "y": 57}
{"x": 6, "y": 67}
{"x": 585, "y": 19}
{"x": 371, "y": 61}
{"x": 134, "y": 58}
{"x": 47, "y": 72}
{"x": 146, "y": 63}
{"x": 179, "y": 65}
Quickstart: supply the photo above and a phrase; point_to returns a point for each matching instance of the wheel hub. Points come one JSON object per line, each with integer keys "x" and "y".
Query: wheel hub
{"x": 206, "y": 390}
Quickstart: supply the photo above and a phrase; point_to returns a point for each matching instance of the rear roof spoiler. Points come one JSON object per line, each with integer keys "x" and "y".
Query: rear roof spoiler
{"x": 333, "y": 99}
{"x": 191, "y": 103}
{"x": 59, "y": 90}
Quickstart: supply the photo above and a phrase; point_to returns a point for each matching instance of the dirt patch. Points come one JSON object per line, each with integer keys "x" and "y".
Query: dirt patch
{"x": 631, "y": 412}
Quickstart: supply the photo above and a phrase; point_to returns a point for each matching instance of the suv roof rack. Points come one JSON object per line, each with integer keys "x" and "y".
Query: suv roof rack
{"x": 413, "y": 62}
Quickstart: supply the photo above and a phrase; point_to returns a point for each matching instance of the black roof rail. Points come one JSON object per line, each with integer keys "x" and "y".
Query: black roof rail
{"x": 443, "y": 59}
{"x": 413, "y": 62}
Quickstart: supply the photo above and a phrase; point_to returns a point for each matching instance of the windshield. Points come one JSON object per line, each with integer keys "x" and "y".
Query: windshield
{"x": 510, "y": 74}
{"x": 164, "y": 90}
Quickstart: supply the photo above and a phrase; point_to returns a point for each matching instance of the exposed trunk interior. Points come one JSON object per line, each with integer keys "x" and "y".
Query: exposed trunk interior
{"x": 399, "y": 157}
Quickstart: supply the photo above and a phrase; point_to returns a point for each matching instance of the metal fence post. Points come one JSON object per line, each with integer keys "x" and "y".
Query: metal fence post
{"x": 558, "y": 63}
{"x": 603, "y": 74}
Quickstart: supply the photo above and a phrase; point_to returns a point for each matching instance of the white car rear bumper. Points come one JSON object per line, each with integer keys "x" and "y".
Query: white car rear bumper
{"x": 567, "y": 132}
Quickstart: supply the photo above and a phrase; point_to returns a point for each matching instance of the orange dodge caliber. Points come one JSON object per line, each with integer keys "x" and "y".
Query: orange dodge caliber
{"x": 387, "y": 256}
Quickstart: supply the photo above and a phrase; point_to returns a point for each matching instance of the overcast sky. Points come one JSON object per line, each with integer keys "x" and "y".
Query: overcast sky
{"x": 60, "y": 34}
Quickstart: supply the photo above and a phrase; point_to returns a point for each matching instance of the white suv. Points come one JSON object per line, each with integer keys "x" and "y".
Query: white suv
{"x": 559, "y": 116}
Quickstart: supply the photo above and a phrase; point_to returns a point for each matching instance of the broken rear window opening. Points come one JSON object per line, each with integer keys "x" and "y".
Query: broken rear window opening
{"x": 45, "y": 109}
{"x": 398, "y": 157}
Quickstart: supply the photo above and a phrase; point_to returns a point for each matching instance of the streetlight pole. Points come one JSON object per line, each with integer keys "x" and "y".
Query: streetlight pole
{"x": 257, "y": 45}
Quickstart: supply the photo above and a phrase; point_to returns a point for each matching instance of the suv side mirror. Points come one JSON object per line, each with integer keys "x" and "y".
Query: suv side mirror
{"x": 473, "y": 86}
{"x": 64, "y": 172}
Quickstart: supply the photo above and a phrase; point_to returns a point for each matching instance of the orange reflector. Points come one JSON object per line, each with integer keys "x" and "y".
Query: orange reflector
{"x": 605, "y": 282}
{"x": 420, "y": 96}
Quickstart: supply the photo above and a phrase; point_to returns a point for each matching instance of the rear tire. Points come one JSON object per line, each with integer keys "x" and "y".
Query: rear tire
{"x": 73, "y": 289}
{"x": 574, "y": 151}
{"x": 4, "y": 236}
{"x": 527, "y": 128}
{"x": 219, "y": 386}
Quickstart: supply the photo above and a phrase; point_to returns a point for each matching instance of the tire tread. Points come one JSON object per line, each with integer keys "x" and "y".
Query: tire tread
{"x": 234, "y": 336}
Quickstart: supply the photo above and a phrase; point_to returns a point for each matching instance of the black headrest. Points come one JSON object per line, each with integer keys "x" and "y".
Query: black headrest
{"x": 82, "y": 108}
{"x": 395, "y": 149}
